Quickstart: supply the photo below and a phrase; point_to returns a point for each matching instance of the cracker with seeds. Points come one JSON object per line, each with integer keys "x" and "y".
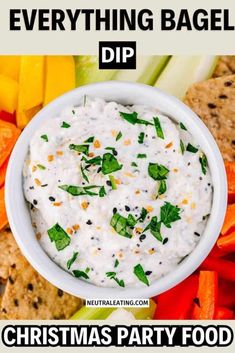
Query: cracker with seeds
{"x": 8, "y": 247}
{"x": 225, "y": 66}
{"x": 29, "y": 296}
{"x": 214, "y": 102}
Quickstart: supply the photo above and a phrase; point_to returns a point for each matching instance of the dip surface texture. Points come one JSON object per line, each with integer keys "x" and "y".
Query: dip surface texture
{"x": 119, "y": 195}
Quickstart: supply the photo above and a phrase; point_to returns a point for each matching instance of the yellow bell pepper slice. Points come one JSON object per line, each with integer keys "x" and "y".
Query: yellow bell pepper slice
{"x": 31, "y": 92}
{"x": 9, "y": 89}
{"x": 60, "y": 76}
{"x": 10, "y": 66}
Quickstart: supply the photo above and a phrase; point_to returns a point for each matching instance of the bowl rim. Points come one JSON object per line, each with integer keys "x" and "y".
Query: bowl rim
{"x": 32, "y": 249}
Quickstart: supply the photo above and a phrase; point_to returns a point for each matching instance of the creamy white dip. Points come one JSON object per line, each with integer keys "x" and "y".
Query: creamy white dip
{"x": 147, "y": 175}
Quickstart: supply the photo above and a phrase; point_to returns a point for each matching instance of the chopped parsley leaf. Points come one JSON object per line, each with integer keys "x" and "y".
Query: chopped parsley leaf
{"x": 182, "y": 147}
{"x": 191, "y": 148}
{"x": 131, "y": 221}
{"x": 45, "y": 138}
{"x": 183, "y": 127}
{"x": 158, "y": 128}
{"x": 58, "y": 235}
{"x": 112, "y": 181}
{"x": 169, "y": 214}
{"x": 96, "y": 160}
{"x": 87, "y": 270}
{"x": 40, "y": 166}
{"x": 80, "y": 148}
{"x": 81, "y": 190}
{"x": 141, "y": 155}
{"x": 90, "y": 139}
{"x": 143, "y": 215}
{"x": 79, "y": 274}
{"x": 112, "y": 275}
{"x": 133, "y": 164}
{"x": 84, "y": 175}
{"x": 119, "y": 135}
{"x": 154, "y": 226}
{"x": 116, "y": 263}
{"x": 141, "y": 137}
{"x": 120, "y": 224}
{"x": 133, "y": 119}
{"x": 203, "y": 162}
{"x": 157, "y": 171}
{"x": 110, "y": 164}
{"x": 71, "y": 261}
{"x": 65, "y": 125}
{"x": 140, "y": 274}
{"x": 162, "y": 187}
{"x": 102, "y": 191}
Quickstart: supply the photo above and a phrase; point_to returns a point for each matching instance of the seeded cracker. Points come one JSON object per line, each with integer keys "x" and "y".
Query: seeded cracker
{"x": 7, "y": 248}
{"x": 214, "y": 102}
{"x": 29, "y": 296}
{"x": 225, "y": 66}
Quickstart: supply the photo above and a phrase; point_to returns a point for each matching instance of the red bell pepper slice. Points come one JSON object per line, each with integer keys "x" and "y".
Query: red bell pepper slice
{"x": 207, "y": 296}
{"x": 177, "y": 303}
{"x": 11, "y": 118}
{"x": 225, "y": 268}
{"x": 226, "y": 294}
{"x": 230, "y": 171}
{"x": 222, "y": 313}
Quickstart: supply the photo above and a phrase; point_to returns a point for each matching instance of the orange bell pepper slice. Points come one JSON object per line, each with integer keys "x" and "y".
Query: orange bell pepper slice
{"x": 230, "y": 171}
{"x": 229, "y": 221}
{"x": 3, "y": 171}
{"x": 222, "y": 313}
{"x": 227, "y": 242}
{"x": 207, "y": 296}
{"x": 177, "y": 303}
{"x": 3, "y": 213}
{"x": 9, "y": 134}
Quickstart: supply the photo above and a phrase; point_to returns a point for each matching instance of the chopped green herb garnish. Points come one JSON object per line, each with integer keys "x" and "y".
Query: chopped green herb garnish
{"x": 143, "y": 215}
{"x": 191, "y": 148}
{"x": 133, "y": 164}
{"x": 131, "y": 221}
{"x": 80, "y": 148}
{"x": 58, "y": 235}
{"x": 111, "y": 149}
{"x": 162, "y": 187}
{"x": 96, "y": 160}
{"x": 90, "y": 139}
{"x": 119, "y": 135}
{"x": 169, "y": 214}
{"x": 65, "y": 125}
{"x": 140, "y": 274}
{"x": 84, "y": 174}
{"x": 40, "y": 166}
{"x": 80, "y": 190}
{"x": 155, "y": 228}
{"x": 110, "y": 164}
{"x": 79, "y": 274}
{"x": 132, "y": 118}
{"x": 182, "y": 147}
{"x": 203, "y": 162}
{"x": 45, "y": 138}
{"x": 102, "y": 191}
{"x": 87, "y": 270}
{"x": 141, "y": 137}
{"x": 158, "y": 127}
{"x": 112, "y": 181}
{"x": 183, "y": 127}
{"x": 120, "y": 224}
{"x": 141, "y": 155}
{"x": 116, "y": 263}
{"x": 112, "y": 275}
{"x": 157, "y": 171}
{"x": 71, "y": 261}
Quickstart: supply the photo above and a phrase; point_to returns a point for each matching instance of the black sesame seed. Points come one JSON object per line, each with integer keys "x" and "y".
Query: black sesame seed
{"x": 31, "y": 187}
{"x": 160, "y": 263}
{"x": 99, "y": 170}
{"x": 148, "y": 273}
{"x": 99, "y": 249}
{"x": 114, "y": 210}
{"x": 142, "y": 237}
{"x": 13, "y": 266}
{"x": 196, "y": 301}
{"x": 197, "y": 234}
{"x": 35, "y": 202}
{"x": 233, "y": 142}
{"x": 165, "y": 241}
{"x": 51, "y": 198}
{"x": 127, "y": 208}
{"x": 44, "y": 185}
{"x": 11, "y": 280}
{"x": 228, "y": 83}
{"x": 16, "y": 302}
{"x": 89, "y": 222}
{"x": 189, "y": 163}
{"x": 35, "y": 305}
{"x": 200, "y": 178}
{"x": 31, "y": 206}
{"x": 115, "y": 153}
{"x": 30, "y": 287}
{"x": 211, "y": 105}
{"x": 60, "y": 293}
{"x": 39, "y": 300}
{"x": 138, "y": 245}
{"x": 108, "y": 182}
{"x": 223, "y": 96}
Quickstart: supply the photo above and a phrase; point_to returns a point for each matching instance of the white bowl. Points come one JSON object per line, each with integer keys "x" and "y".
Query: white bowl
{"x": 124, "y": 93}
